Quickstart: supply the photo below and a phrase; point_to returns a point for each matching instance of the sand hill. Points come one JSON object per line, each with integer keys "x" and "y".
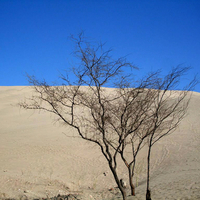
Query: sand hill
{"x": 40, "y": 158}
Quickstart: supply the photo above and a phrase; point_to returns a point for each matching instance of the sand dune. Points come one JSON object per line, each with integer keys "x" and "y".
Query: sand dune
{"x": 38, "y": 158}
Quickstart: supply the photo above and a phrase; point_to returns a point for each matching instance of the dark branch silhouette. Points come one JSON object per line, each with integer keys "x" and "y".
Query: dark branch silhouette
{"x": 134, "y": 114}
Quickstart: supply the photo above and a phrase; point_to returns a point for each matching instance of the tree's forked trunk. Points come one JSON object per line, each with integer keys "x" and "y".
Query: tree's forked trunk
{"x": 121, "y": 188}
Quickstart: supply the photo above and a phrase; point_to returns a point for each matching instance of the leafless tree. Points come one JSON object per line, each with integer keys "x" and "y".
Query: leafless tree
{"x": 167, "y": 110}
{"x": 119, "y": 122}
{"x": 149, "y": 112}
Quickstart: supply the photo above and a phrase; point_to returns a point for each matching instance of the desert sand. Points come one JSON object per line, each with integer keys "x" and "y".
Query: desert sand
{"x": 40, "y": 158}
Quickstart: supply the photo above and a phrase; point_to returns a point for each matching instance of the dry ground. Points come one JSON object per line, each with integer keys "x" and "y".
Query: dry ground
{"x": 40, "y": 159}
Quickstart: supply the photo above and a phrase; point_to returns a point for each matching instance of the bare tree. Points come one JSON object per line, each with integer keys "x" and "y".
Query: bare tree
{"x": 167, "y": 110}
{"x": 131, "y": 115}
{"x": 91, "y": 110}
{"x": 119, "y": 122}
{"x": 149, "y": 112}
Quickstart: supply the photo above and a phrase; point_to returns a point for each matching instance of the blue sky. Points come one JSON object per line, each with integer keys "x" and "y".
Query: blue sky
{"x": 154, "y": 34}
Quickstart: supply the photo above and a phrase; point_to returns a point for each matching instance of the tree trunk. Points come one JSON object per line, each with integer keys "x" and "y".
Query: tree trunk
{"x": 121, "y": 188}
{"x": 148, "y": 195}
{"x": 131, "y": 182}
{"x": 148, "y": 192}
{"x": 124, "y": 194}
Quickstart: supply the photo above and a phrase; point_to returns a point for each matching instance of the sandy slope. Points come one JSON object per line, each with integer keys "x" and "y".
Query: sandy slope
{"x": 37, "y": 159}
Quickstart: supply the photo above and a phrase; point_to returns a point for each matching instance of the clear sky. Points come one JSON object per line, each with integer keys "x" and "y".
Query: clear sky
{"x": 155, "y": 34}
